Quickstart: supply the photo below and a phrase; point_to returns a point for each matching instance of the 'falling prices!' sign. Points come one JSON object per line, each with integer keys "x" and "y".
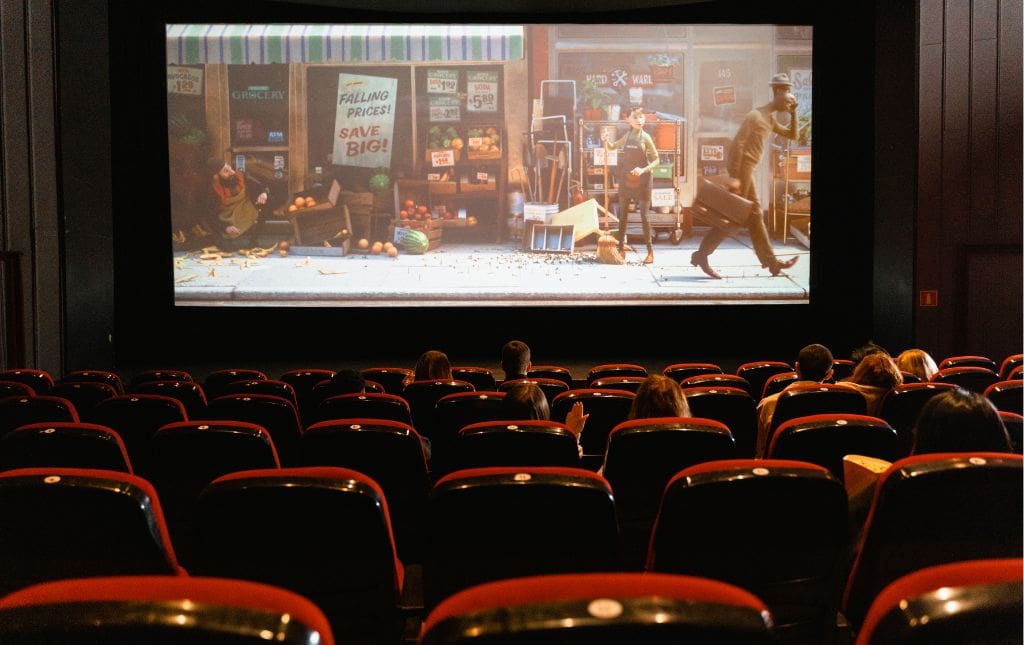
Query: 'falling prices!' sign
{"x": 365, "y": 123}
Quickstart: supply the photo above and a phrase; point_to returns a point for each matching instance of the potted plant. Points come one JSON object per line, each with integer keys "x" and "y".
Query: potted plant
{"x": 662, "y": 67}
{"x": 593, "y": 100}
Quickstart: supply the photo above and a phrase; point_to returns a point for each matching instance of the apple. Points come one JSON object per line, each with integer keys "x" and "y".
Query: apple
{"x": 421, "y": 209}
{"x": 284, "y": 245}
{"x": 403, "y": 214}
{"x": 409, "y": 204}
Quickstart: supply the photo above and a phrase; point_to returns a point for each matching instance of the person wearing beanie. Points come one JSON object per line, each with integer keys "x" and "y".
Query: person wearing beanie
{"x": 236, "y": 214}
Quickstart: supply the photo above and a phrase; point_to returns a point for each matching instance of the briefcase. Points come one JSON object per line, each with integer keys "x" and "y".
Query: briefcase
{"x": 716, "y": 206}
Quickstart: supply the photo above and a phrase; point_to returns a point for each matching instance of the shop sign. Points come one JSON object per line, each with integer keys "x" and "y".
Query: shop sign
{"x": 442, "y": 81}
{"x": 663, "y": 197}
{"x": 482, "y": 92}
{"x": 365, "y": 121}
{"x": 710, "y": 152}
{"x": 725, "y": 95}
{"x": 802, "y": 85}
{"x": 599, "y": 157}
{"x": 184, "y": 80}
{"x": 444, "y": 109}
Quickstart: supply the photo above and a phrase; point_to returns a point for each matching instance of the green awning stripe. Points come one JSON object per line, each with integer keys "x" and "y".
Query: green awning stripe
{"x": 240, "y": 44}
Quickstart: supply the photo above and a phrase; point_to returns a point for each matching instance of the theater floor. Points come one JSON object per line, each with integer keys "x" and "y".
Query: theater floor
{"x": 498, "y": 274}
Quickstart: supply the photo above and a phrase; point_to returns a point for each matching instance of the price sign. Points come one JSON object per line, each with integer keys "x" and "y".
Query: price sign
{"x": 663, "y": 197}
{"x": 483, "y": 176}
{"x": 444, "y": 109}
{"x": 433, "y": 176}
{"x": 184, "y": 80}
{"x": 442, "y": 81}
{"x": 439, "y": 158}
{"x": 482, "y": 92}
{"x": 600, "y": 154}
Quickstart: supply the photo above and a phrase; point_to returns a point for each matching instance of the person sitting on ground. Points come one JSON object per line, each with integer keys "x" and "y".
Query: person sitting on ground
{"x": 236, "y": 214}
{"x": 917, "y": 362}
{"x": 959, "y": 420}
{"x": 527, "y": 401}
{"x": 874, "y": 377}
{"x": 813, "y": 366}
{"x": 515, "y": 360}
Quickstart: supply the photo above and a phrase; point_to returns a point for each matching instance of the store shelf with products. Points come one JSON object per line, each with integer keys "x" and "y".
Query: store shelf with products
{"x": 665, "y": 215}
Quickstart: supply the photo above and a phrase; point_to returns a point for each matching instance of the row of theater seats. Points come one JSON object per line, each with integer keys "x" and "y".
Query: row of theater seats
{"x": 958, "y": 603}
{"x": 778, "y": 530}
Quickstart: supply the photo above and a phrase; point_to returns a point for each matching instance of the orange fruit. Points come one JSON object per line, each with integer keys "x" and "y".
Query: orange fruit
{"x": 392, "y": 251}
{"x": 292, "y": 208}
{"x": 364, "y": 243}
{"x": 310, "y": 202}
{"x": 300, "y": 202}
{"x": 376, "y": 248}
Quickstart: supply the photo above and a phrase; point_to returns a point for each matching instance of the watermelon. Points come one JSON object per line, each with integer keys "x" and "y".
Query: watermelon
{"x": 379, "y": 182}
{"x": 415, "y": 242}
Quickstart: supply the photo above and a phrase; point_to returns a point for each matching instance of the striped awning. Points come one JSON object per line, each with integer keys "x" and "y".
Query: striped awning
{"x": 261, "y": 44}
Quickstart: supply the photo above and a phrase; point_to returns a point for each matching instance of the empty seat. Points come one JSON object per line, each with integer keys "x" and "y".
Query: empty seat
{"x": 327, "y": 388}
{"x": 1016, "y": 373}
{"x": 936, "y": 509}
{"x": 262, "y": 386}
{"x": 631, "y": 383}
{"x": 275, "y": 414}
{"x": 15, "y": 388}
{"x": 716, "y": 380}
{"x": 778, "y": 382}
{"x": 389, "y": 452}
{"x": 643, "y": 455}
{"x": 39, "y": 380}
{"x": 968, "y": 361}
{"x": 584, "y": 608}
{"x": 729, "y": 405}
{"x": 113, "y": 379}
{"x": 303, "y": 381}
{"x": 551, "y": 387}
{"x": 605, "y": 370}
{"x": 978, "y": 601}
{"x": 1007, "y": 395}
{"x": 215, "y": 381}
{"x": 392, "y": 378}
{"x": 64, "y": 445}
{"x": 368, "y": 405}
{"x": 824, "y": 439}
{"x": 556, "y": 372}
{"x": 777, "y": 528}
{"x": 975, "y": 379}
{"x": 901, "y": 406}
{"x": 161, "y": 375}
{"x": 757, "y": 374}
{"x": 188, "y": 455}
{"x": 1009, "y": 364}
{"x": 606, "y": 409}
{"x": 190, "y": 394}
{"x": 136, "y": 418}
{"x": 822, "y": 398}
{"x": 422, "y": 397}
{"x": 84, "y": 395}
{"x": 482, "y": 378}
{"x": 320, "y": 531}
{"x": 169, "y": 610}
{"x": 16, "y": 411}
{"x": 678, "y": 372}
{"x": 453, "y": 413}
{"x": 1015, "y": 428}
{"x": 487, "y": 524}
{"x": 516, "y": 443}
{"x": 76, "y": 522}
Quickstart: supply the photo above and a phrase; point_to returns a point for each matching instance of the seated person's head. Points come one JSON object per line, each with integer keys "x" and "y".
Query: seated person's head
{"x": 515, "y": 359}
{"x": 525, "y": 401}
{"x": 348, "y": 381}
{"x": 877, "y": 370}
{"x": 814, "y": 363}
{"x": 432, "y": 365}
{"x": 917, "y": 362}
{"x": 659, "y": 396}
{"x": 866, "y": 349}
{"x": 959, "y": 421}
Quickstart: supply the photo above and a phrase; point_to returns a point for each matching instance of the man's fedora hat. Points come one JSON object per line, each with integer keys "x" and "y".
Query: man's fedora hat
{"x": 781, "y": 80}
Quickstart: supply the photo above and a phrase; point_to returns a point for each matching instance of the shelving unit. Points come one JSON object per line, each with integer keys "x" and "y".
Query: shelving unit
{"x": 665, "y": 213}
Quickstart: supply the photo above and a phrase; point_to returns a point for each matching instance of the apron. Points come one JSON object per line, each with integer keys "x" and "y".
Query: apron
{"x": 633, "y": 155}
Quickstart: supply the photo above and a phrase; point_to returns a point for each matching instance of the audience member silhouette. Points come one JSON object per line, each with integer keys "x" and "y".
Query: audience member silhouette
{"x": 515, "y": 359}
{"x": 959, "y": 420}
{"x": 659, "y": 396}
{"x": 875, "y": 375}
{"x": 917, "y": 362}
{"x": 813, "y": 366}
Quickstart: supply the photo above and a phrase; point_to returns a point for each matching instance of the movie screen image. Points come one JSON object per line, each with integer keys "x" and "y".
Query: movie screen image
{"x": 430, "y": 165}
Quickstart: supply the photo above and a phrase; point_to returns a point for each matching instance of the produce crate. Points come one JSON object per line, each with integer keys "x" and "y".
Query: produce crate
{"x": 314, "y": 226}
{"x": 466, "y": 187}
{"x": 483, "y": 154}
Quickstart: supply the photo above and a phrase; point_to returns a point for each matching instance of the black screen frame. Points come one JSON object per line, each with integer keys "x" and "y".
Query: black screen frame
{"x": 147, "y": 323}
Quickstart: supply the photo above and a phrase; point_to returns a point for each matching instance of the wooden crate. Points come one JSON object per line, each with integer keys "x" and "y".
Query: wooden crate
{"x": 320, "y": 223}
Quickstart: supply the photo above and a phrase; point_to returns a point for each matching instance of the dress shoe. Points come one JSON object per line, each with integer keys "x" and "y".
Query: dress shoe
{"x": 702, "y": 262}
{"x": 784, "y": 265}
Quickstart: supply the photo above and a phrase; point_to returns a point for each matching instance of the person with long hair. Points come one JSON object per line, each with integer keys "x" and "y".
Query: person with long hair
{"x": 659, "y": 396}
{"x": 527, "y": 401}
{"x": 431, "y": 365}
{"x": 874, "y": 377}
{"x": 959, "y": 420}
{"x": 917, "y": 362}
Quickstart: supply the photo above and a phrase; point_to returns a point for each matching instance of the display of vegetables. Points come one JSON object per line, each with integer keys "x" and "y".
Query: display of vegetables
{"x": 443, "y": 137}
{"x": 415, "y": 242}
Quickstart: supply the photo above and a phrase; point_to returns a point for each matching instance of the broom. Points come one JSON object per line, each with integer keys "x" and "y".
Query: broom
{"x": 607, "y": 246}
